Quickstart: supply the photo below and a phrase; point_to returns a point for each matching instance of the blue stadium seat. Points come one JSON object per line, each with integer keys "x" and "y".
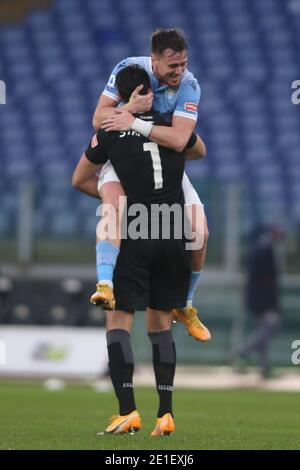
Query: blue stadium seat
{"x": 64, "y": 224}
{"x": 44, "y": 38}
{"x": 57, "y": 62}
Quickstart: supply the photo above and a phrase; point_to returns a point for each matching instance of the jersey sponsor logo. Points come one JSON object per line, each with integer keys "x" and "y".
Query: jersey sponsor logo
{"x": 190, "y": 106}
{"x": 94, "y": 142}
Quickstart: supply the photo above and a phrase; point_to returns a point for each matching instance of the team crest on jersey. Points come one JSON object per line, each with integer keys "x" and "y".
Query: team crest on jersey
{"x": 190, "y": 106}
{"x": 94, "y": 142}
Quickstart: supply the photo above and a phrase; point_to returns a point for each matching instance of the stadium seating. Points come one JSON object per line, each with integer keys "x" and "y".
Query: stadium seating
{"x": 56, "y": 63}
{"x": 44, "y": 302}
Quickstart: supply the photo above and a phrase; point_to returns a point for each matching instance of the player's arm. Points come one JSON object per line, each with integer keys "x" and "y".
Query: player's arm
{"x": 107, "y": 106}
{"x": 186, "y": 111}
{"x": 184, "y": 119}
{"x": 198, "y": 150}
{"x": 174, "y": 137}
{"x": 84, "y": 177}
{"x": 110, "y": 99}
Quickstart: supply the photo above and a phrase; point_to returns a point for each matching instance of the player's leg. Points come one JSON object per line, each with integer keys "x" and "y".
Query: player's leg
{"x": 107, "y": 236}
{"x": 130, "y": 282}
{"x": 199, "y": 227}
{"x": 164, "y": 364}
{"x": 168, "y": 286}
{"x": 121, "y": 367}
{"x": 198, "y": 223}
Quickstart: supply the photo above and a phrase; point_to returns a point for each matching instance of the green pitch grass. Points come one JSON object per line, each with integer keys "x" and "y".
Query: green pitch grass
{"x": 34, "y": 418}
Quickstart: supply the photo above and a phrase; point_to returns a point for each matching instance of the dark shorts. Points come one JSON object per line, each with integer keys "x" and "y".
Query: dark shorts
{"x": 152, "y": 273}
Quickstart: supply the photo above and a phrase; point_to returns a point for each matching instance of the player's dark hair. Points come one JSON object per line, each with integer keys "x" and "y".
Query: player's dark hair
{"x": 129, "y": 78}
{"x": 162, "y": 39}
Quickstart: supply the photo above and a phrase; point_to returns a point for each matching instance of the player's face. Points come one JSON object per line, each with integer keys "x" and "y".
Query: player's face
{"x": 169, "y": 66}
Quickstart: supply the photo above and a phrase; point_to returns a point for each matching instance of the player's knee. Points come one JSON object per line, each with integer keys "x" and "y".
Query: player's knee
{"x": 118, "y": 320}
{"x": 158, "y": 320}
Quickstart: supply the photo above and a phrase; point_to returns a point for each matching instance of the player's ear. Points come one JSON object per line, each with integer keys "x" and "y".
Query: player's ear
{"x": 153, "y": 57}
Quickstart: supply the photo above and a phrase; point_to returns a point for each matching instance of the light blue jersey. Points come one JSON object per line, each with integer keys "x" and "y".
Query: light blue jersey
{"x": 182, "y": 100}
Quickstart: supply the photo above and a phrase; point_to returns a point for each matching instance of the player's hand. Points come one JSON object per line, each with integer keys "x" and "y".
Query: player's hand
{"x": 121, "y": 121}
{"x": 139, "y": 103}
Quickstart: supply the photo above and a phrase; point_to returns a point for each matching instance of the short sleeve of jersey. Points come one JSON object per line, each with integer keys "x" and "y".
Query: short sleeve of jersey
{"x": 97, "y": 150}
{"x": 110, "y": 89}
{"x": 188, "y": 100}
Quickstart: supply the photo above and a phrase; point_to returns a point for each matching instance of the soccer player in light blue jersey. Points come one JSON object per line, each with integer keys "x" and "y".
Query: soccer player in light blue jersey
{"x": 174, "y": 90}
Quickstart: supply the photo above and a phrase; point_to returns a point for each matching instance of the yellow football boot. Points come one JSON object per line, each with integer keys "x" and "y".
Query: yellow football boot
{"x": 164, "y": 426}
{"x": 103, "y": 297}
{"x": 124, "y": 424}
{"x": 189, "y": 316}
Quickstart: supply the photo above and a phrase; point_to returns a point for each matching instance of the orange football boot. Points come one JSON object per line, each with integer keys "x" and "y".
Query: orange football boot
{"x": 124, "y": 424}
{"x": 164, "y": 426}
{"x": 103, "y": 297}
{"x": 195, "y": 328}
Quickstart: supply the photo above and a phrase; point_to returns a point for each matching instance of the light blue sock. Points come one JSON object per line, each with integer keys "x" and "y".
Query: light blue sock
{"x": 106, "y": 255}
{"x": 194, "y": 281}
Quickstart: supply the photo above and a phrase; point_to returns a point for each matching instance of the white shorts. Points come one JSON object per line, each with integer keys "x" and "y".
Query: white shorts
{"x": 108, "y": 174}
{"x": 190, "y": 193}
